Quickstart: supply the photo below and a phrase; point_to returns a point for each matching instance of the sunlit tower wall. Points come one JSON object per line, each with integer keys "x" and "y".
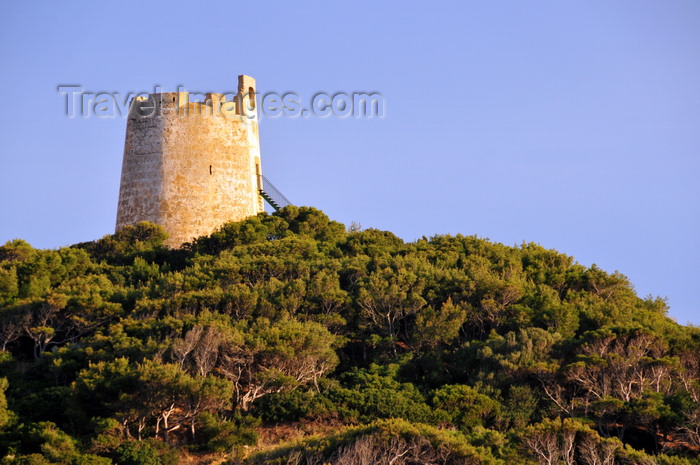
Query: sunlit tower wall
{"x": 191, "y": 166}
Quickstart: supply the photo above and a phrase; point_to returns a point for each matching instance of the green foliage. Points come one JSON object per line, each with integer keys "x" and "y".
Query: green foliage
{"x": 47, "y": 404}
{"x": 109, "y": 435}
{"x": 45, "y": 443}
{"x": 148, "y": 452}
{"x": 466, "y": 407}
{"x": 375, "y": 393}
{"x": 450, "y": 349}
{"x": 285, "y": 406}
{"x": 220, "y": 435}
{"x": 9, "y": 286}
{"x": 519, "y": 405}
{"x": 434, "y": 328}
{"x": 381, "y": 442}
{"x": 254, "y": 230}
{"x": 5, "y": 414}
{"x": 144, "y": 239}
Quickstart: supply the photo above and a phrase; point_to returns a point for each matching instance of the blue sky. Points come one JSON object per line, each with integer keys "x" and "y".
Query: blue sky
{"x": 575, "y": 125}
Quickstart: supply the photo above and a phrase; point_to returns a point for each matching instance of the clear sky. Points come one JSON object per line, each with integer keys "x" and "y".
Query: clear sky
{"x": 572, "y": 124}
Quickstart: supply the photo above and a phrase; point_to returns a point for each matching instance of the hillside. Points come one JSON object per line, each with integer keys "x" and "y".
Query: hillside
{"x": 286, "y": 338}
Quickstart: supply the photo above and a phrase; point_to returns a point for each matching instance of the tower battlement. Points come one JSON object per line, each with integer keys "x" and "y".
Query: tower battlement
{"x": 240, "y": 105}
{"x": 191, "y": 166}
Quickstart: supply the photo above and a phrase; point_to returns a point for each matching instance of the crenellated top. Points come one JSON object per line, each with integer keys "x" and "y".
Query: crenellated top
{"x": 242, "y": 105}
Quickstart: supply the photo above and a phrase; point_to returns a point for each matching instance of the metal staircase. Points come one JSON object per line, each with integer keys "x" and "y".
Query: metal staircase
{"x": 271, "y": 194}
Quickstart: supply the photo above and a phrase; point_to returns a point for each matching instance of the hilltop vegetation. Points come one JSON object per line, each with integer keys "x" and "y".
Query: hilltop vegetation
{"x": 287, "y": 339}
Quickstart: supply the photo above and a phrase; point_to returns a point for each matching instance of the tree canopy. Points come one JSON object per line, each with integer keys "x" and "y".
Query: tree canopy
{"x": 365, "y": 348}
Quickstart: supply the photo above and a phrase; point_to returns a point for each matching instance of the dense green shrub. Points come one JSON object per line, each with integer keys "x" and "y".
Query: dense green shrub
{"x": 449, "y": 344}
{"x": 285, "y": 406}
{"x": 146, "y": 452}
{"x": 220, "y": 435}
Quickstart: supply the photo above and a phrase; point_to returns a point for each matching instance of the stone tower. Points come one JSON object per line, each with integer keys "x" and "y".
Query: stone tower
{"x": 191, "y": 166}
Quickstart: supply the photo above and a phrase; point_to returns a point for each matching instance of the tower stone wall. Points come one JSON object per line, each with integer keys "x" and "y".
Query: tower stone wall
{"x": 191, "y": 166}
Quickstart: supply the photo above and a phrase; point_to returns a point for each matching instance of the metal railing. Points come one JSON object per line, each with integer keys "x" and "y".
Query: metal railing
{"x": 272, "y": 195}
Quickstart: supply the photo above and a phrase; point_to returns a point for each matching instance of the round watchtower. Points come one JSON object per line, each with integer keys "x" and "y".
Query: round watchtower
{"x": 191, "y": 166}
